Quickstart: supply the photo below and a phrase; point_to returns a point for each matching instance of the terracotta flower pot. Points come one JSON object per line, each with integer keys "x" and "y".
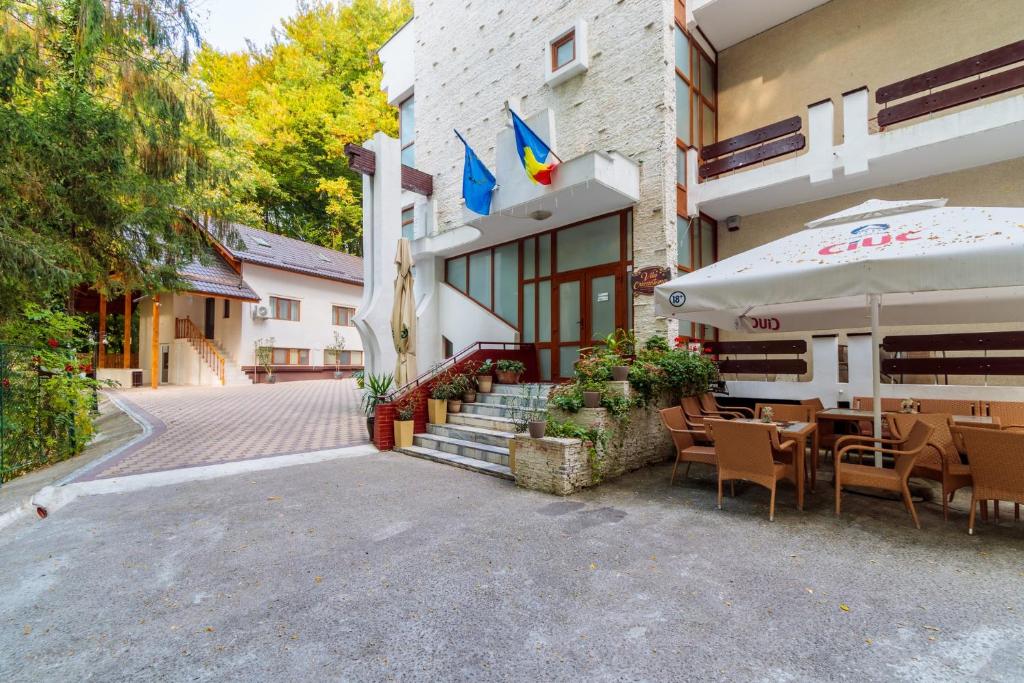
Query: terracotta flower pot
{"x": 469, "y": 397}
{"x": 591, "y": 399}
{"x": 507, "y": 377}
{"x": 537, "y": 428}
{"x": 437, "y": 410}
{"x": 454, "y": 405}
{"x": 403, "y": 433}
{"x": 483, "y": 383}
{"x": 620, "y": 373}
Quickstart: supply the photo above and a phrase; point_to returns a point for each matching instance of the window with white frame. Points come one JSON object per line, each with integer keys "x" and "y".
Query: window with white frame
{"x": 407, "y": 130}
{"x": 284, "y": 309}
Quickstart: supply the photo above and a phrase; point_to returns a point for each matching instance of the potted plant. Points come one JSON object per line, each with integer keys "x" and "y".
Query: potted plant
{"x": 456, "y": 386}
{"x": 264, "y": 355}
{"x": 375, "y": 392}
{"x": 509, "y": 371}
{"x": 405, "y": 411}
{"x": 483, "y": 376}
{"x": 437, "y": 404}
{"x": 336, "y": 348}
{"x": 592, "y": 394}
{"x": 469, "y": 375}
{"x": 620, "y": 345}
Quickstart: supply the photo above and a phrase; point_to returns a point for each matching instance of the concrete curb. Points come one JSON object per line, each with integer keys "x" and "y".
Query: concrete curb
{"x": 52, "y": 498}
{"x": 151, "y": 427}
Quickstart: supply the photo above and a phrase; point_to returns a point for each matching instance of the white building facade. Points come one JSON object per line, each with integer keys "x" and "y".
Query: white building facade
{"x": 689, "y": 131}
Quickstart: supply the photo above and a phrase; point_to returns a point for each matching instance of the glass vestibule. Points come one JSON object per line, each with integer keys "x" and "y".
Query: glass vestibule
{"x": 564, "y": 290}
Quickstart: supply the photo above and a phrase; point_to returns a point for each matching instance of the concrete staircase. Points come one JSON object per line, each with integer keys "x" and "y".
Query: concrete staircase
{"x": 233, "y": 373}
{"x": 477, "y": 438}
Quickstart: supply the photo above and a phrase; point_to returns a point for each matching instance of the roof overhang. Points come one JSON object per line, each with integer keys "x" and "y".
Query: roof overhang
{"x": 590, "y": 185}
{"x": 727, "y": 22}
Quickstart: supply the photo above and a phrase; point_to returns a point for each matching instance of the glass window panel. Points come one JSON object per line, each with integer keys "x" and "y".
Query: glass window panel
{"x": 457, "y": 273}
{"x": 407, "y": 121}
{"x": 629, "y": 235}
{"x": 544, "y": 356}
{"x": 708, "y": 125}
{"x": 529, "y": 252}
{"x": 682, "y": 110}
{"x": 407, "y": 231}
{"x": 569, "y": 311}
{"x": 707, "y": 78}
{"x": 696, "y": 119}
{"x": 409, "y": 155}
{"x": 683, "y": 256}
{"x": 565, "y": 52}
{"x": 602, "y": 306}
{"x": 694, "y": 54}
{"x": 567, "y": 357}
{"x": 280, "y": 357}
{"x": 707, "y": 243}
{"x": 506, "y": 283}
{"x": 529, "y": 313}
{"x": 589, "y": 244}
{"x": 680, "y": 167}
{"x": 544, "y": 255}
{"x": 682, "y": 52}
{"x": 544, "y": 311}
{"x": 480, "y": 277}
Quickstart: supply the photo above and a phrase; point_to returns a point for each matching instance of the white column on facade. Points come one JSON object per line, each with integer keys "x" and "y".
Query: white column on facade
{"x": 855, "y": 132}
{"x": 820, "y": 140}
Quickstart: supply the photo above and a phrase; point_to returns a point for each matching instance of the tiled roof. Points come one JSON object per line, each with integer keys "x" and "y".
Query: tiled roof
{"x": 215, "y": 277}
{"x": 277, "y": 251}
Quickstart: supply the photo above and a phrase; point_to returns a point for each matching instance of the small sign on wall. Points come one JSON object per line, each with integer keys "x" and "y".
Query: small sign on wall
{"x": 646, "y": 279}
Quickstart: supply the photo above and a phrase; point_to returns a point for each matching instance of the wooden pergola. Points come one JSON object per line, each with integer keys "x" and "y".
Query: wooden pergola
{"x": 91, "y": 301}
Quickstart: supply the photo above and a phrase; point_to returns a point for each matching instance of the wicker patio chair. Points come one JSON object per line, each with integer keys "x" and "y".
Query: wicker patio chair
{"x": 997, "y": 466}
{"x": 786, "y": 412}
{"x": 827, "y": 441}
{"x": 1009, "y": 413}
{"x": 895, "y": 479}
{"x": 684, "y": 440}
{"x": 889, "y": 405}
{"x": 940, "y": 459}
{"x": 709, "y": 404}
{"x": 952, "y": 406}
{"x": 751, "y": 451}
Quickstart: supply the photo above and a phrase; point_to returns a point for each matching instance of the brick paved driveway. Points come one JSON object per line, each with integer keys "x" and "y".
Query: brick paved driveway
{"x": 209, "y": 425}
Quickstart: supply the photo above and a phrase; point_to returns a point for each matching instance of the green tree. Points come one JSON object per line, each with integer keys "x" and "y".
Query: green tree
{"x": 104, "y": 142}
{"x": 291, "y": 107}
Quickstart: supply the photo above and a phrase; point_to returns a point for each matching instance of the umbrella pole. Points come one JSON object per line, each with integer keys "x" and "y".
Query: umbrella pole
{"x": 876, "y": 369}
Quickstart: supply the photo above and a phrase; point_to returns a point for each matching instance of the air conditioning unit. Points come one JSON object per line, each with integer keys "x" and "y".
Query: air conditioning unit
{"x": 260, "y": 311}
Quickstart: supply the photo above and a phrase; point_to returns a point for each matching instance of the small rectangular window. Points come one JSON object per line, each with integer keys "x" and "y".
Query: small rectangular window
{"x": 291, "y": 356}
{"x": 407, "y": 130}
{"x": 563, "y": 50}
{"x": 408, "y": 219}
{"x": 227, "y": 308}
{"x": 284, "y": 309}
{"x": 342, "y": 315}
{"x": 343, "y": 357}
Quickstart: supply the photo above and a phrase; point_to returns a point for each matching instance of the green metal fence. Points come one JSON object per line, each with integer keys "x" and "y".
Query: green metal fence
{"x": 41, "y": 412}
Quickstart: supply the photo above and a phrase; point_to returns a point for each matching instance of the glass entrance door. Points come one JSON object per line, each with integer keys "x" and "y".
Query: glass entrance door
{"x": 588, "y": 306}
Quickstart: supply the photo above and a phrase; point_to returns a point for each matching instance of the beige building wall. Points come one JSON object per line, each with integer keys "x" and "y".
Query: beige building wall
{"x": 999, "y": 184}
{"x": 472, "y": 57}
{"x": 846, "y": 44}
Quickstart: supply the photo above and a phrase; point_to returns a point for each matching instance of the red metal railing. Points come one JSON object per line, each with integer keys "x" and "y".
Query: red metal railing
{"x": 383, "y": 429}
{"x": 184, "y": 328}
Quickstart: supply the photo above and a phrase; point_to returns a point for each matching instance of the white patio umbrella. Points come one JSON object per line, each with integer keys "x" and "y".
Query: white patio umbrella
{"x": 880, "y": 263}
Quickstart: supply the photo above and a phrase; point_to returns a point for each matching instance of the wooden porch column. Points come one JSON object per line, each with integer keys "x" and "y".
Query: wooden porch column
{"x": 127, "y": 341}
{"x": 102, "y": 361}
{"x": 154, "y": 364}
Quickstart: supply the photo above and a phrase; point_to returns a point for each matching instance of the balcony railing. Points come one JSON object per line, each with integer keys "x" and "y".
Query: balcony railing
{"x": 986, "y": 86}
{"x": 752, "y": 147}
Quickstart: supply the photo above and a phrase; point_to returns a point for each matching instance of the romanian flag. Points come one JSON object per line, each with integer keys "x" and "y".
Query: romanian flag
{"x": 533, "y": 152}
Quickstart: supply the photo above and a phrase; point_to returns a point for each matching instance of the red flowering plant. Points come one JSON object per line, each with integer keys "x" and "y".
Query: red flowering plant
{"x": 48, "y": 399}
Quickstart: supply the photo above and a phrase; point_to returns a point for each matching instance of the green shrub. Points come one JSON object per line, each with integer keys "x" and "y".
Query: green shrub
{"x": 656, "y": 343}
{"x": 594, "y": 439}
{"x": 507, "y": 365}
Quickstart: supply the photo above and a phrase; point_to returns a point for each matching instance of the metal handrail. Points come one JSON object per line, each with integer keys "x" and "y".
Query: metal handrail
{"x": 450, "y": 362}
{"x": 184, "y": 328}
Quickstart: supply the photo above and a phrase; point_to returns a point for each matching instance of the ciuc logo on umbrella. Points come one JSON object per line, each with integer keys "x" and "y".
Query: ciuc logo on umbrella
{"x": 870, "y": 235}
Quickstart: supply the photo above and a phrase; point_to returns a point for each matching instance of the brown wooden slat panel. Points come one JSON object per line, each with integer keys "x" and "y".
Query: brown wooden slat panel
{"x": 747, "y": 157}
{"x": 961, "y": 94}
{"x": 965, "y": 68}
{"x": 776, "y": 366}
{"x": 751, "y": 138}
{"x": 953, "y": 366}
{"x": 364, "y": 161}
{"x": 993, "y": 341}
{"x": 767, "y": 346}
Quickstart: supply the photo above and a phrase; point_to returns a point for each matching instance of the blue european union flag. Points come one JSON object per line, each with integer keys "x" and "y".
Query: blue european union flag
{"x": 477, "y": 182}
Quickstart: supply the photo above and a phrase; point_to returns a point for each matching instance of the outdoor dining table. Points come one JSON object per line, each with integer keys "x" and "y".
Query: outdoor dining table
{"x": 801, "y": 433}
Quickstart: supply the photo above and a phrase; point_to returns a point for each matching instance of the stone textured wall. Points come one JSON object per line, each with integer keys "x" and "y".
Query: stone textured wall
{"x": 474, "y": 55}
{"x": 562, "y": 466}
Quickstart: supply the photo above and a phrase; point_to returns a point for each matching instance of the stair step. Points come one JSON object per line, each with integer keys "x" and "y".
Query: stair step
{"x": 472, "y": 464}
{"x": 470, "y": 449}
{"x": 508, "y": 399}
{"x": 519, "y": 389}
{"x": 488, "y": 409}
{"x": 490, "y": 437}
{"x": 501, "y": 424}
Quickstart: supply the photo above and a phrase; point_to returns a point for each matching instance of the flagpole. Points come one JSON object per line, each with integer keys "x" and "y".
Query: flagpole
{"x": 510, "y": 111}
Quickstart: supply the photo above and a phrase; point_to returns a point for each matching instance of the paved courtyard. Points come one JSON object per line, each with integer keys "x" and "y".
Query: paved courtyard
{"x": 210, "y": 425}
{"x": 385, "y": 567}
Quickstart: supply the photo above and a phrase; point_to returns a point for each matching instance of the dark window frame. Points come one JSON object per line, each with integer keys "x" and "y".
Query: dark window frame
{"x": 569, "y": 36}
